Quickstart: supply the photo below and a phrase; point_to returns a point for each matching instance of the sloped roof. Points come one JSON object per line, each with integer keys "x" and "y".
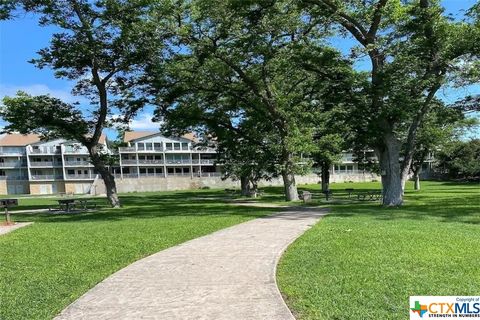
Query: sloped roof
{"x": 101, "y": 140}
{"x": 20, "y": 140}
{"x": 190, "y": 136}
{"x": 17, "y": 139}
{"x": 134, "y": 135}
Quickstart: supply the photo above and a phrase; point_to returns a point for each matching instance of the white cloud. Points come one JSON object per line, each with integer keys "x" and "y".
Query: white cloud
{"x": 142, "y": 122}
{"x": 39, "y": 89}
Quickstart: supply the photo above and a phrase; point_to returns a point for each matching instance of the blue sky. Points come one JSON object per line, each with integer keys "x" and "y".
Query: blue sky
{"x": 20, "y": 39}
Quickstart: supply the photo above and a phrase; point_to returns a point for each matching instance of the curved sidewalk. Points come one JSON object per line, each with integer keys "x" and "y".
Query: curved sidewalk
{"x": 229, "y": 274}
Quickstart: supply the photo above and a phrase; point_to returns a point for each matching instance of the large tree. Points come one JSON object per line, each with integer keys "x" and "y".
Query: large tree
{"x": 441, "y": 126}
{"x": 242, "y": 69}
{"x": 461, "y": 159}
{"x": 411, "y": 47}
{"x": 101, "y": 46}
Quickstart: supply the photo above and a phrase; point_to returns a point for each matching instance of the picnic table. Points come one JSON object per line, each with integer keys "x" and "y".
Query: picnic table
{"x": 370, "y": 195}
{"x": 68, "y": 204}
{"x": 350, "y": 191}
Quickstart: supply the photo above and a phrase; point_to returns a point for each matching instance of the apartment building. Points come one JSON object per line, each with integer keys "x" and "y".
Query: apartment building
{"x": 150, "y": 154}
{"x": 29, "y": 165}
{"x": 147, "y": 160}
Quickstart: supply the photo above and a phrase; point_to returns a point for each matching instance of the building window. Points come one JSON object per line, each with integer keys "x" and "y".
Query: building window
{"x": 140, "y": 146}
{"x": 178, "y": 170}
{"x": 157, "y": 146}
{"x": 149, "y": 146}
{"x": 186, "y": 170}
{"x": 143, "y": 170}
{"x": 176, "y": 146}
{"x": 168, "y": 146}
{"x": 170, "y": 170}
{"x": 71, "y": 171}
{"x": 184, "y": 146}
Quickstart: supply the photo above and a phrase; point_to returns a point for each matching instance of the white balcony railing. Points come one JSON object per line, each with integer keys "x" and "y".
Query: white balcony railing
{"x": 150, "y": 161}
{"x": 156, "y": 149}
{"x": 13, "y": 178}
{"x": 177, "y": 150}
{"x": 45, "y": 164}
{"x": 70, "y": 150}
{"x": 129, "y": 161}
{"x": 178, "y": 161}
{"x": 81, "y": 176}
{"x": 47, "y": 177}
{"x": 13, "y": 164}
{"x": 12, "y": 150}
{"x": 77, "y": 163}
{"x": 127, "y": 149}
{"x": 51, "y": 150}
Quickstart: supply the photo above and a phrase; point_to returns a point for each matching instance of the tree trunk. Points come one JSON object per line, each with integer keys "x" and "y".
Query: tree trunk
{"x": 291, "y": 193}
{"x": 108, "y": 178}
{"x": 254, "y": 185}
{"x": 8, "y": 219}
{"x": 391, "y": 175}
{"x": 416, "y": 178}
{"x": 404, "y": 178}
{"x": 416, "y": 169}
{"x": 325, "y": 176}
{"x": 245, "y": 186}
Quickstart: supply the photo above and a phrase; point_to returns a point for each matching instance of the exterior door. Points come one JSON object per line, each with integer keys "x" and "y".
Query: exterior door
{"x": 11, "y": 189}
{"x": 45, "y": 189}
{"x": 19, "y": 189}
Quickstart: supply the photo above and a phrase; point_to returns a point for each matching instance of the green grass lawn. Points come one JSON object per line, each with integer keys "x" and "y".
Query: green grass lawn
{"x": 363, "y": 261}
{"x": 359, "y": 262}
{"x": 46, "y": 266}
{"x": 45, "y": 202}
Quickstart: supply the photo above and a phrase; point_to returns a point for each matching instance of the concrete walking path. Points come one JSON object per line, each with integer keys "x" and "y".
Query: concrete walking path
{"x": 229, "y": 274}
{"x": 6, "y": 229}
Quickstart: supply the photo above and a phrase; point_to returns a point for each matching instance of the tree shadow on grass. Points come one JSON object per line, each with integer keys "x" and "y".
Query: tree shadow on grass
{"x": 153, "y": 206}
{"x": 453, "y": 210}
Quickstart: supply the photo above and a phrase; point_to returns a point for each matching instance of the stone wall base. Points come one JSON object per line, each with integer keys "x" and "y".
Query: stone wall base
{"x": 148, "y": 184}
